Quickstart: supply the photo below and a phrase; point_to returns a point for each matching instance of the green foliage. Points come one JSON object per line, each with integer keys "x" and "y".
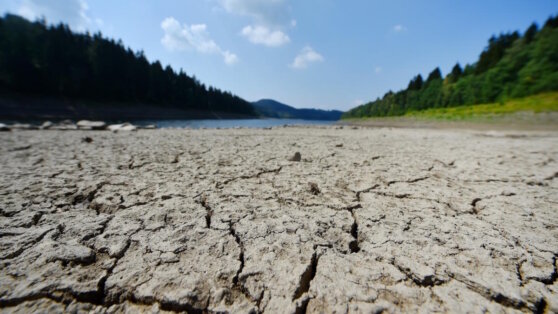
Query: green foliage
{"x": 511, "y": 66}
{"x": 545, "y": 102}
{"x": 436, "y": 74}
{"x": 415, "y": 83}
{"x": 455, "y": 74}
{"x": 531, "y": 32}
{"x": 42, "y": 60}
{"x": 495, "y": 51}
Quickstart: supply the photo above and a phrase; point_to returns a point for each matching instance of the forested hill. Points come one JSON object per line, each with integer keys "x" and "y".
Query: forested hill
{"x": 511, "y": 66}
{"x": 270, "y": 108}
{"x": 53, "y": 62}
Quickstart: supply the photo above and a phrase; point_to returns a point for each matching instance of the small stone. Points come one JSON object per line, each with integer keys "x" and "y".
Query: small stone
{"x": 87, "y": 139}
{"x": 296, "y": 157}
{"x": 46, "y": 125}
{"x": 4, "y": 127}
{"x": 122, "y": 127}
{"x": 23, "y": 126}
{"x": 339, "y": 145}
{"x": 314, "y": 189}
{"x": 64, "y": 125}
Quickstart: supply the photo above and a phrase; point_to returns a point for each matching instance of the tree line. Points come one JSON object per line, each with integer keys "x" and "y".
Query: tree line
{"x": 37, "y": 59}
{"x": 511, "y": 66}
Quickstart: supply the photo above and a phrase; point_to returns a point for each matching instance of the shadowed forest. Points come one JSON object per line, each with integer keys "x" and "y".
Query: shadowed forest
{"x": 41, "y": 60}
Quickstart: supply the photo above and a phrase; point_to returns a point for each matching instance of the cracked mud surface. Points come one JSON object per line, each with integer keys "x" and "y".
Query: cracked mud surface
{"x": 368, "y": 220}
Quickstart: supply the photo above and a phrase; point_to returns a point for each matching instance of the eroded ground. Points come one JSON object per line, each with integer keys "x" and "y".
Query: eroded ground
{"x": 368, "y": 220}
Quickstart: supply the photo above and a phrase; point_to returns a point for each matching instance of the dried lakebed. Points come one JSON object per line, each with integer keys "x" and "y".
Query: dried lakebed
{"x": 364, "y": 220}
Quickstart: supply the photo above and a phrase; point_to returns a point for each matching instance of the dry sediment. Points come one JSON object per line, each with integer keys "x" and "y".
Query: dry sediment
{"x": 367, "y": 220}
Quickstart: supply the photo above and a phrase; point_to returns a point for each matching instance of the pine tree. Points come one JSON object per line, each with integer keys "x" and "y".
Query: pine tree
{"x": 436, "y": 74}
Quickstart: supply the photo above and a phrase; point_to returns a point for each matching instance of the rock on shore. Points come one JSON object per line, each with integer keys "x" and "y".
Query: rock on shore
{"x": 222, "y": 221}
{"x": 91, "y": 125}
{"x": 68, "y": 125}
{"x": 122, "y": 127}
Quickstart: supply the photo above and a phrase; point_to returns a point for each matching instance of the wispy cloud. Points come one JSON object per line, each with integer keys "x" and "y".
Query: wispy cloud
{"x": 270, "y": 20}
{"x": 306, "y": 56}
{"x": 265, "y": 36}
{"x": 399, "y": 28}
{"x": 378, "y": 70}
{"x": 192, "y": 37}
{"x": 71, "y": 12}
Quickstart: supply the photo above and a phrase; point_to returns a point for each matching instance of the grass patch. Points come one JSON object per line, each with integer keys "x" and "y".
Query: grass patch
{"x": 538, "y": 103}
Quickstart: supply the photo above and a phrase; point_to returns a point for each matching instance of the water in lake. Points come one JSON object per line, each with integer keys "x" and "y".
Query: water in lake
{"x": 233, "y": 123}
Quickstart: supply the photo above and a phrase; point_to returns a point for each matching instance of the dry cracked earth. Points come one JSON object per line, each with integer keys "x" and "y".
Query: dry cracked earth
{"x": 368, "y": 220}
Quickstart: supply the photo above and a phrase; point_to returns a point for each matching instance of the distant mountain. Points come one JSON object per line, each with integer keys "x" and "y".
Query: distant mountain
{"x": 270, "y": 108}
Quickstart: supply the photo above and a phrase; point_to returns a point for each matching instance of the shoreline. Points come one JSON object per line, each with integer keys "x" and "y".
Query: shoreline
{"x": 522, "y": 121}
{"x": 26, "y": 108}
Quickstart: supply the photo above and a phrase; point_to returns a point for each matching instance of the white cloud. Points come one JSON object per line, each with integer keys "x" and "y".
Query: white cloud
{"x": 306, "y": 56}
{"x": 378, "y": 70}
{"x": 399, "y": 28}
{"x": 270, "y": 19}
{"x": 229, "y": 58}
{"x": 358, "y": 102}
{"x": 264, "y": 36}
{"x": 194, "y": 37}
{"x": 71, "y": 12}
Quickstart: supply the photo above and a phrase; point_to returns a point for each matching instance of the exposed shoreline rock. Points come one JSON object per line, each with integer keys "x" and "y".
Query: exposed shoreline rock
{"x": 121, "y": 127}
{"x": 402, "y": 220}
{"x": 83, "y": 125}
{"x": 91, "y": 125}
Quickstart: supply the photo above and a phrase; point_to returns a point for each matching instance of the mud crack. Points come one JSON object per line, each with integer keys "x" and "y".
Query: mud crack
{"x": 426, "y": 281}
{"x": 245, "y": 177}
{"x": 408, "y": 181}
{"x": 307, "y": 277}
{"x": 208, "y": 210}
{"x": 237, "y": 285}
{"x": 358, "y": 193}
{"x": 494, "y": 295}
{"x": 552, "y": 278}
{"x": 300, "y": 296}
{"x": 353, "y": 245}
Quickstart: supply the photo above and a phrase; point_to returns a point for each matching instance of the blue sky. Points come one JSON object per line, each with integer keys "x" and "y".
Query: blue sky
{"x": 328, "y": 54}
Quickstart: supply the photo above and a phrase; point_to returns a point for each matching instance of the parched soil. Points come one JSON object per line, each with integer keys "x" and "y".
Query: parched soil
{"x": 362, "y": 220}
